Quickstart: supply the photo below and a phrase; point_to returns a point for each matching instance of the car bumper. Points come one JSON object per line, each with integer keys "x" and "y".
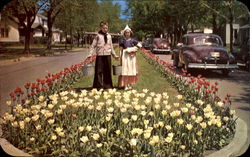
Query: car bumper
{"x": 162, "y": 50}
{"x": 212, "y": 66}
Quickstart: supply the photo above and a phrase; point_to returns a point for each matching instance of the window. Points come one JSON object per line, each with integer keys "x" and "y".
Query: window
{"x": 207, "y": 40}
{"x": 4, "y": 32}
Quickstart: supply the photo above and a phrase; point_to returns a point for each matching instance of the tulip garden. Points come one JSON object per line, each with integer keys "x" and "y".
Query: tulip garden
{"x": 50, "y": 118}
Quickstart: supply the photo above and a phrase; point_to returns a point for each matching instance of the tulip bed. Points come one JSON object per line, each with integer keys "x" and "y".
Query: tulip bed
{"x": 124, "y": 123}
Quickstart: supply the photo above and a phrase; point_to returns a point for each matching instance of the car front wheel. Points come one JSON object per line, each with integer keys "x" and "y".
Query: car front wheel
{"x": 175, "y": 60}
{"x": 186, "y": 66}
{"x": 248, "y": 65}
{"x": 225, "y": 72}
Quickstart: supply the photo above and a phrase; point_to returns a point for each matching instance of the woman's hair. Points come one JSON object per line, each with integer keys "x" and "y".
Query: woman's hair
{"x": 102, "y": 23}
{"x": 131, "y": 33}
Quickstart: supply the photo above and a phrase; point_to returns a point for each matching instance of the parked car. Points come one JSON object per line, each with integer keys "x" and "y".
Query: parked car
{"x": 243, "y": 55}
{"x": 146, "y": 44}
{"x": 160, "y": 45}
{"x": 203, "y": 51}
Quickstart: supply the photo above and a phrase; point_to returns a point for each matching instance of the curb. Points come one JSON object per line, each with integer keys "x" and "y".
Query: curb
{"x": 11, "y": 150}
{"x": 238, "y": 145}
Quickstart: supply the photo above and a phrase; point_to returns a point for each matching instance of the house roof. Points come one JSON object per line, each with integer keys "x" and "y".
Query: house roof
{"x": 247, "y": 26}
{"x": 35, "y": 25}
{"x": 42, "y": 16}
{"x": 56, "y": 30}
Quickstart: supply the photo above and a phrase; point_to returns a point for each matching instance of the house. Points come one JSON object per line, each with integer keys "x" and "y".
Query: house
{"x": 40, "y": 26}
{"x": 10, "y": 32}
{"x": 56, "y": 35}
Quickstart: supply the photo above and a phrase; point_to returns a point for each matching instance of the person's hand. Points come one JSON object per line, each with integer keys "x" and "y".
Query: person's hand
{"x": 125, "y": 50}
{"x": 89, "y": 56}
{"x": 117, "y": 57}
{"x": 132, "y": 54}
{"x": 136, "y": 49}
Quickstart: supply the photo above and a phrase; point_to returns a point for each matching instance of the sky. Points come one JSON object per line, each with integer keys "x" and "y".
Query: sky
{"x": 123, "y": 5}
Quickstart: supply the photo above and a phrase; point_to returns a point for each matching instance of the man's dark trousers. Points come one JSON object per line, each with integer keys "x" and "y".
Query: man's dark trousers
{"x": 103, "y": 77}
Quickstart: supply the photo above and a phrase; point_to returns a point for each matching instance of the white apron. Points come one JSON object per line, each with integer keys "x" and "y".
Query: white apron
{"x": 128, "y": 62}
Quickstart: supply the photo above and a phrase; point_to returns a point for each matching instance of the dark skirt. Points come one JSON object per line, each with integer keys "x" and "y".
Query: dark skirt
{"x": 103, "y": 76}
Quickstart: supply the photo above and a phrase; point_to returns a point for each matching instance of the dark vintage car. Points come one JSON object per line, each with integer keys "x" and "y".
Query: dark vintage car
{"x": 160, "y": 45}
{"x": 203, "y": 51}
{"x": 147, "y": 43}
{"x": 242, "y": 54}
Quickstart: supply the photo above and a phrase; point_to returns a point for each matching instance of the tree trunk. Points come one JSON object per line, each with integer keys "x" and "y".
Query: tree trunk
{"x": 78, "y": 39}
{"x": 49, "y": 41}
{"x": 65, "y": 41}
{"x": 215, "y": 29}
{"x": 82, "y": 37}
{"x": 28, "y": 31}
{"x": 231, "y": 27}
{"x": 27, "y": 41}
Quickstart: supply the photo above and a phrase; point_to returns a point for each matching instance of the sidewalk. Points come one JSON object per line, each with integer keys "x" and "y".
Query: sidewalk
{"x": 21, "y": 59}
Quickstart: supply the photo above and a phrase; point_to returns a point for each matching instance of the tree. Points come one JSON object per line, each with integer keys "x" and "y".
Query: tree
{"x": 223, "y": 12}
{"x": 52, "y": 9}
{"x": 75, "y": 18}
{"x": 107, "y": 11}
{"x": 24, "y": 13}
{"x": 172, "y": 18}
{"x": 80, "y": 16}
{"x": 146, "y": 16}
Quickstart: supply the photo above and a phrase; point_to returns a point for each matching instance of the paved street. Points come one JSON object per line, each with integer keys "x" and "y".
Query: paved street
{"x": 237, "y": 84}
{"x": 17, "y": 74}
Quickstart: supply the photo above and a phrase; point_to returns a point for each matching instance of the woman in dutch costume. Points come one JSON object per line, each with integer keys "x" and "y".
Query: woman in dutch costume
{"x": 129, "y": 47}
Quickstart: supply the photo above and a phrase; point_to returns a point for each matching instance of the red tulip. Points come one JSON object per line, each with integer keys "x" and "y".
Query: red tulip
{"x": 38, "y": 80}
{"x": 17, "y": 90}
{"x": 23, "y": 101}
{"x": 27, "y": 85}
{"x": 216, "y": 83}
{"x": 12, "y": 94}
{"x": 229, "y": 95}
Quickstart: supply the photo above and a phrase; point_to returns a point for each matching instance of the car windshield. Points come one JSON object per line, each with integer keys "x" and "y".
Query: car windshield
{"x": 207, "y": 40}
{"x": 160, "y": 40}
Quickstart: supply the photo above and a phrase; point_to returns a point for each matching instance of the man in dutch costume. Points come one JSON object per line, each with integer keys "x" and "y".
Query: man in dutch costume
{"x": 103, "y": 48}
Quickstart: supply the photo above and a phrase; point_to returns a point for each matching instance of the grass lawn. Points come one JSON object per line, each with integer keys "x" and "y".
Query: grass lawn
{"x": 148, "y": 78}
{"x": 16, "y": 51}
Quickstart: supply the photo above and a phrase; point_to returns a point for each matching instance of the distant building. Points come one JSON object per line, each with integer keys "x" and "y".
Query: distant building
{"x": 10, "y": 32}
{"x": 40, "y": 26}
{"x": 236, "y": 28}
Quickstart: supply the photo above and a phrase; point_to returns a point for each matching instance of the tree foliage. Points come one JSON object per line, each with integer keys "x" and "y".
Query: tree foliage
{"x": 73, "y": 17}
{"x": 52, "y": 8}
{"x": 174, "y": 18}
{"x": 80, "y": 16}
{"x": 24, "y": 13}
